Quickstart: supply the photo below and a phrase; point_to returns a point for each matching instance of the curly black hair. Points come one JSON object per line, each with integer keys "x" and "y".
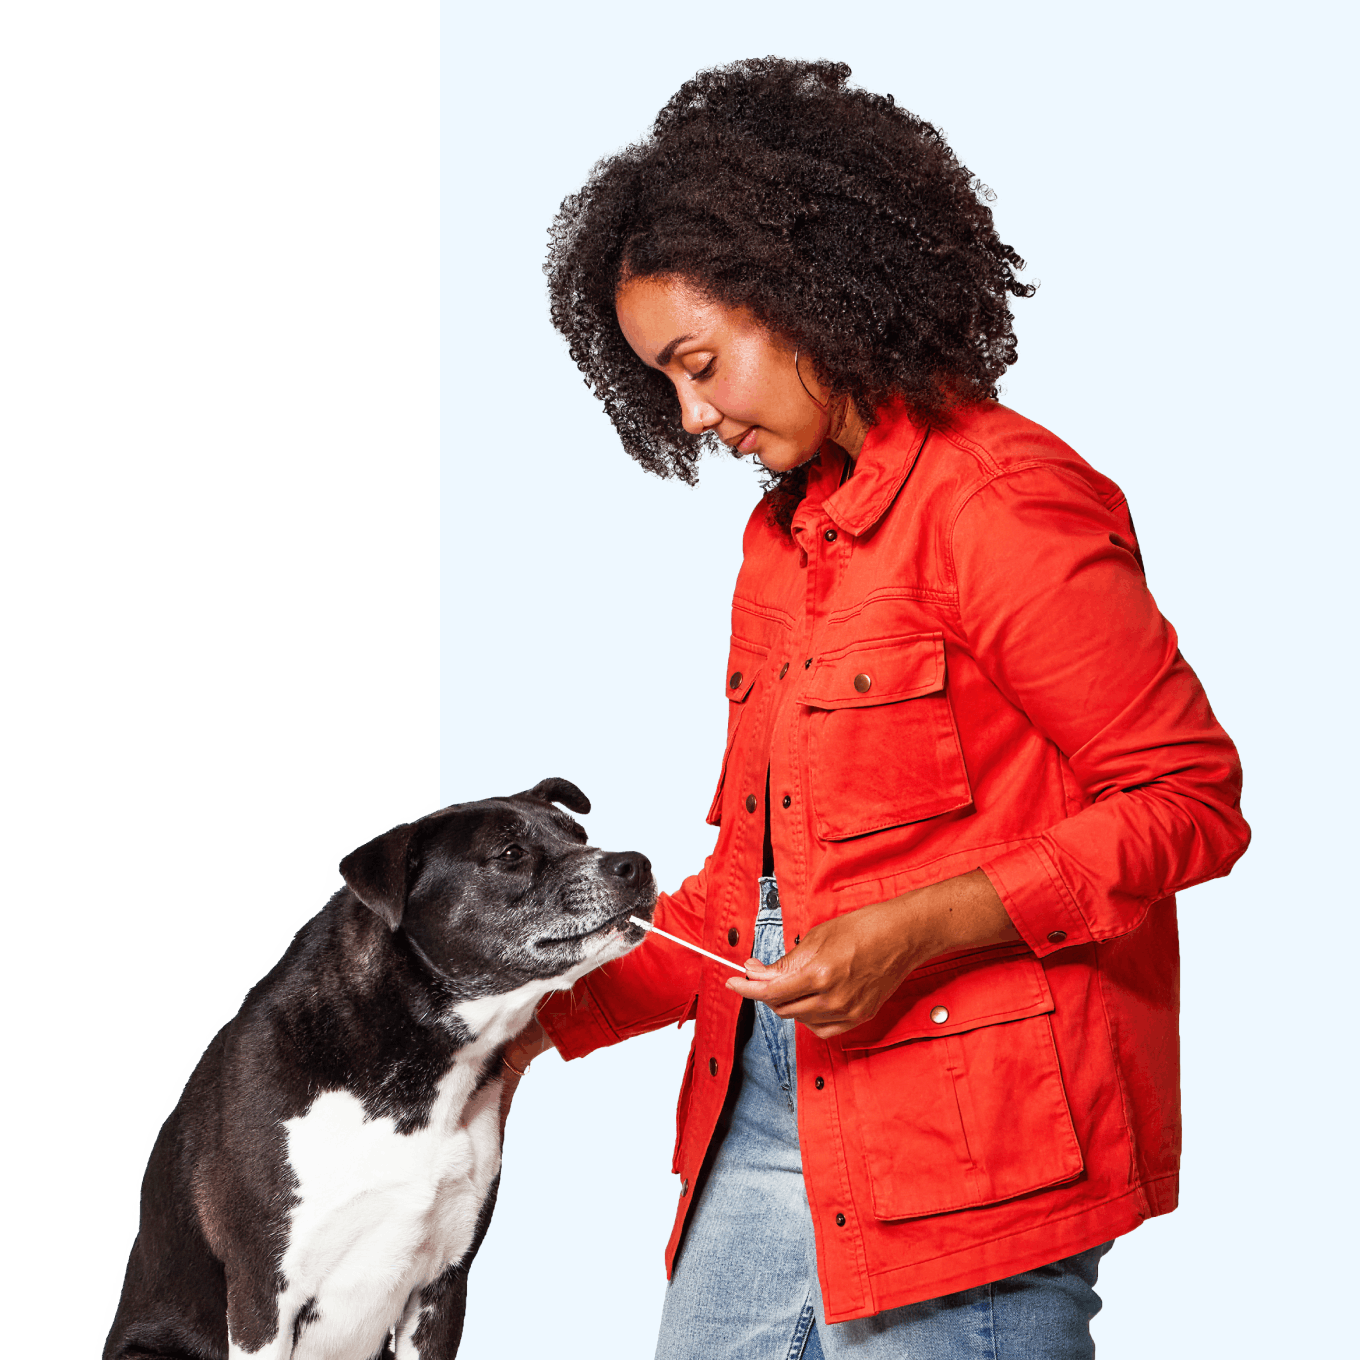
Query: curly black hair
{"x": 841, "y": 221}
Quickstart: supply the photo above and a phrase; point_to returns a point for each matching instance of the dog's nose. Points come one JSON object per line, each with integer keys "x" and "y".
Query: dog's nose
{"x": 630, "y": 866}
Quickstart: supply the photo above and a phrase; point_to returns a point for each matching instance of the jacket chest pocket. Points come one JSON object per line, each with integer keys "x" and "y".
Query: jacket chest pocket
{"x": 743, "y": 664}
{"x": 959, "y": 1092}
{"x": 883, "y": 749}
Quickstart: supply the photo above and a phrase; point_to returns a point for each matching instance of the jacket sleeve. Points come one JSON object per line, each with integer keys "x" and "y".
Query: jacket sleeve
{"x": 1057, "y": 611}
{"x": 655, "y": 985}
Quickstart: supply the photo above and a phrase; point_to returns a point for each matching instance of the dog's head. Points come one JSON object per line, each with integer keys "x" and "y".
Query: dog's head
{"x": 505, "y": 891}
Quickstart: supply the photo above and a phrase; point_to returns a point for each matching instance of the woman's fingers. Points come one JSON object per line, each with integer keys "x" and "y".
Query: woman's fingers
{"x": 819, "y": 1012}
{"x": 785, "y": 980}
{"x": 839, "y": 974}
{"x": 808, "y": 991}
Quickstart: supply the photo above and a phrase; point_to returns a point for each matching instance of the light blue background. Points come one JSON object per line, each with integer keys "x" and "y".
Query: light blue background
{"x": 1178, "y": 178}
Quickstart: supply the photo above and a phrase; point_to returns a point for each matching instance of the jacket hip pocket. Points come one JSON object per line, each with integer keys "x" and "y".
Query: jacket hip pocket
{"x": 883, "y": 748}
{"x": 959, "y": 1091}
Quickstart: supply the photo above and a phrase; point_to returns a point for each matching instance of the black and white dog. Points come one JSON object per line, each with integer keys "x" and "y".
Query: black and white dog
{"x": 329, "y": 1171}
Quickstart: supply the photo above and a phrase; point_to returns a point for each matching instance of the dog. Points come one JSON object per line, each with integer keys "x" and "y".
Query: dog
{"x": 330, "y": 1170}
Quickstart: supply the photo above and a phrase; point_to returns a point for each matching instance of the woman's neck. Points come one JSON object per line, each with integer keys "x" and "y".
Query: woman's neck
{"x": 848, "y": 430}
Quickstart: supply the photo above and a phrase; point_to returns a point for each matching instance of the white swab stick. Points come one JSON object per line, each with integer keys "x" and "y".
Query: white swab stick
{"x": 675, "y": 939}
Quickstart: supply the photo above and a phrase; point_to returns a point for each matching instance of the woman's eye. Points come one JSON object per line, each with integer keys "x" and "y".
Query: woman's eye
{"x": 705, "y": 372}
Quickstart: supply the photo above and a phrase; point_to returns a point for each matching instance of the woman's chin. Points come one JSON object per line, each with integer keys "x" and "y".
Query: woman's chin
{"x": 778, "y": 459}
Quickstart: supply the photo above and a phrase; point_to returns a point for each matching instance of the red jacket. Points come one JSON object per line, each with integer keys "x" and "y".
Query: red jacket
{"x": 954, "y": 662}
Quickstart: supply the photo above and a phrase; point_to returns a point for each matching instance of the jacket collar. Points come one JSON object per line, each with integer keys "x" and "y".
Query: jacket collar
{"x": 884, "y": 464}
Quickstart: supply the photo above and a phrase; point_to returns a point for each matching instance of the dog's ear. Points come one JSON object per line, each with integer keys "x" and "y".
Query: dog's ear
{"x": 378, "y": 872}
{"x": 560, "y": 791}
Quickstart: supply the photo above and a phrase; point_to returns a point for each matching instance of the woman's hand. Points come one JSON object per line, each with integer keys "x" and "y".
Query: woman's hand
{"x": 519, "y": 1053}
{"x": 846, "y": 968}
{"x": 526, "y": 1046}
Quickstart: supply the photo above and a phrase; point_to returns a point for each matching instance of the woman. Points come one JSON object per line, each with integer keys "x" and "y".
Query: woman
{"x": 966, "y": 765}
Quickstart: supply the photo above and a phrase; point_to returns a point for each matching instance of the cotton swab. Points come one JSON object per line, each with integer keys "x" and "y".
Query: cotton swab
{"x": 675, "y": 939}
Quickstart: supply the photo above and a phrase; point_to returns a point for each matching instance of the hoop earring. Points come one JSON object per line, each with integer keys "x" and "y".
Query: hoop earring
{"x": 820, "y": 405}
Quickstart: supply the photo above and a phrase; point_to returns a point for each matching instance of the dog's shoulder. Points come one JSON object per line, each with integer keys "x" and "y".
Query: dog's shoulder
{"x": 345, "y": 1009}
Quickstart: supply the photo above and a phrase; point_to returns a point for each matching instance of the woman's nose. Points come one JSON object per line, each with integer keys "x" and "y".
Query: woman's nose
{"x": 697, "y": 415}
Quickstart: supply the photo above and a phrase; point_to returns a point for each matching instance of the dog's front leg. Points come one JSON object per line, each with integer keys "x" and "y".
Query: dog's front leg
{"x": 403, "y": 1334}
{"x": 432, "y": 1325}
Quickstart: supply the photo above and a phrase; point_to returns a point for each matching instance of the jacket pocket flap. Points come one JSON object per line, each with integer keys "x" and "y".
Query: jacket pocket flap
{"x": 743, "y": 662}
{"x": 881, "y": 671}
{"x": 954, "y": 996}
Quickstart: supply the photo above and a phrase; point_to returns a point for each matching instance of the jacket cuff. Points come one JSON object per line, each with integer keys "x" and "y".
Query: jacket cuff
{"x": 1036, "y": 899}
{"x": 574, "y": 1024}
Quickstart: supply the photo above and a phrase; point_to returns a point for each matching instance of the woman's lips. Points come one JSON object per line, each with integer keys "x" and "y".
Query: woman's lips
{"x": 748, "y": 441}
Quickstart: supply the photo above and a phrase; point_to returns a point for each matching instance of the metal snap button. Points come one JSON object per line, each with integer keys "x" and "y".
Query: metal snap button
{"x": 840, "y": 1220}
{"x": 783, "y": 670}
{"x": 1056, "y": 936}
{"x": 684, "y": 1189}
{"x": 713, "y": 1067}
{"x": 735, "y": 681}
{"x": 819, "y": 1083}
{"x": 733, "y": 936}
{"x": 940, "y": 1014}
{"x": 807, "y": 663}
{"x": 862, "y": 683}
{"x": 787, "y": 800}
{"x": 750, "y": 802}
{"x": 830, "y": 535}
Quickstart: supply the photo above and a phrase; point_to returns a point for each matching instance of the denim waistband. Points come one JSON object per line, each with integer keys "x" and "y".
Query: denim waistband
{"x": 770, "y": 912}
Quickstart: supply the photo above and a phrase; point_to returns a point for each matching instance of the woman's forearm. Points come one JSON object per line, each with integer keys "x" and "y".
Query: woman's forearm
{"x": 843, "y": 970}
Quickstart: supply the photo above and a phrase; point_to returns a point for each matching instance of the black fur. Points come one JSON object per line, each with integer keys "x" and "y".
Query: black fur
{"x": 471, "y": 902}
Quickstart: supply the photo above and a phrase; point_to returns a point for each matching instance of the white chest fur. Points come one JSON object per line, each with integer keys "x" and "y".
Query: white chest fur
{"x": 380, "y": 1214}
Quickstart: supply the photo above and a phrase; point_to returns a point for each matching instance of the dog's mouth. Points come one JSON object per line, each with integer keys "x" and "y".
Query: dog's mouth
{"x": 620, "y": 922}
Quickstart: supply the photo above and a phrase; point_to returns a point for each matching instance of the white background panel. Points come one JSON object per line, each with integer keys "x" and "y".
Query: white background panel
{"x": 1174, "y": 176}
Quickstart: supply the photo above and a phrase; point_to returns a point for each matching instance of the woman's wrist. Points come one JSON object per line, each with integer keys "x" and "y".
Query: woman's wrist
{"x": 525, "y": 1047}
{"x": 965, "y": 912}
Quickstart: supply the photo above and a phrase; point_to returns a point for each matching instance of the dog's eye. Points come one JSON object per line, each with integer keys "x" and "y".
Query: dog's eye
{"x": 511, "y": 854}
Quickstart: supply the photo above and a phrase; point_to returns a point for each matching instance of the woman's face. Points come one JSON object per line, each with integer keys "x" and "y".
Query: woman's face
{"x": 731, "y": 375}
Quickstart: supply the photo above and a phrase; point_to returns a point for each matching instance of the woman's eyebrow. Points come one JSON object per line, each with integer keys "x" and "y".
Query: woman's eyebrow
{"x": 668, "y": 353}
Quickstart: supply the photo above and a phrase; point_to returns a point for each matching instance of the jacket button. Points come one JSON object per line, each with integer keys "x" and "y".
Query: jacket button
{"x": 735, "y": 681}
{"x": 940, "y": 1014}
{"x": 807, "y": 663}
{"x": 783, "y": 670}
{"x": 819, "y": 1083}
{"x": 787, "y": 800}
{"x": 684, "y": 1189}
{"x": 840, "y": 1220}
{"x": 862, "y": 683}
{"x": 733, "y": 936}
{"x": 830, "y": 535}
{"x": 750, "y": 802}
{"x": 713, "y": 1067}
{"x": 1056, "y": 936}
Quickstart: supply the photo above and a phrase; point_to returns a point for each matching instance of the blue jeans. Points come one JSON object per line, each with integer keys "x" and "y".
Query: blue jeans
{"x": 745, "y": 1284}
